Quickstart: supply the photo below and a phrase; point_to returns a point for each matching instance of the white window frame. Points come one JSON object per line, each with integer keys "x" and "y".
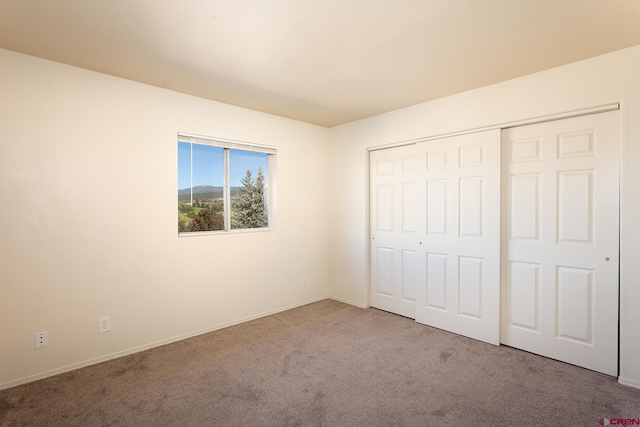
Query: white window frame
{"x": 228, "y": 144}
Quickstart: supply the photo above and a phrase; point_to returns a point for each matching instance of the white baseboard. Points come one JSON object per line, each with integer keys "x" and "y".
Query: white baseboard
{"x": 95, "y": 361}
{"x": 628, "y": 382}
{"x": 357, "y": 304}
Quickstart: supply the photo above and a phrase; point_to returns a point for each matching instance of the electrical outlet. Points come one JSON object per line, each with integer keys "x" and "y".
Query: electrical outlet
{"x": 305, "y": 282}
{"x": 104, "y": 324}
{"x": 42, "y": 339}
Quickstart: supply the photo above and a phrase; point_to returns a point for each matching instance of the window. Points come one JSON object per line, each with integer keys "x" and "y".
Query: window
{"x": 224, "y": 185}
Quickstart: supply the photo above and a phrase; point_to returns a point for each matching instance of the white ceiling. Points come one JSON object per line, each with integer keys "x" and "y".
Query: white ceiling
{"x": 320, "y": 61}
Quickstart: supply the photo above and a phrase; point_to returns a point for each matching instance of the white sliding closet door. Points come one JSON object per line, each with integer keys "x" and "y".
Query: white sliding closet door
{"x": 560, "y": 297}
{"x": 393, "y": 229}
{"x": 458, "y": 252}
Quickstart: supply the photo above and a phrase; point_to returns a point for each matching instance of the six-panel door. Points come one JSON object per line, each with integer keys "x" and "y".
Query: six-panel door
{"x": 393, "y": 229}
{"x": 560, "y": 293}
{"x": 458, "y": 276}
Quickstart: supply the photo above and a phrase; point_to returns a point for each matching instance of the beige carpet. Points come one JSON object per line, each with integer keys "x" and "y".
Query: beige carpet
{"x": 325, "y": 364}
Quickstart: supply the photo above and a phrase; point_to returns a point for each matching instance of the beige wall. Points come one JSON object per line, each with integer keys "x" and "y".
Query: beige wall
{"x": 600, "y": 80}
{"x": 89, "y": 223}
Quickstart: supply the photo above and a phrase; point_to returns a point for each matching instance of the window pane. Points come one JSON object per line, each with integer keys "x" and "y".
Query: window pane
{"x": 184, "y": 172}
{"x": 200, "y": 187}
{"x": 248, "y": 180}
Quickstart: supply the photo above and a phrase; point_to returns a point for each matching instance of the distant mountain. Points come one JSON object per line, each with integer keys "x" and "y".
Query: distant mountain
{"x": 203, "y": 192}
{"x": 200, "y": 189}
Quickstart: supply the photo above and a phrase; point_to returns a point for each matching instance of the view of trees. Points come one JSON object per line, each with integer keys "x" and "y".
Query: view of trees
{"x": 204, "y": 215}
{"x": 248, "y": 208}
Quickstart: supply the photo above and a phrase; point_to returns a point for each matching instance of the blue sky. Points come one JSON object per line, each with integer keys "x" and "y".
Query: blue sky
{"x": 208, "y": 165}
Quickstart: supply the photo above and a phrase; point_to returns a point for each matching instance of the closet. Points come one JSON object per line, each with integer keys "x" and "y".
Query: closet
{"x": 508, "y": 235}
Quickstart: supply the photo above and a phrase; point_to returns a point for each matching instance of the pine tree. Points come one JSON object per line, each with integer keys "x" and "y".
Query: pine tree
{"x": 262, "y": 217}
{"x": 248, "y": 208}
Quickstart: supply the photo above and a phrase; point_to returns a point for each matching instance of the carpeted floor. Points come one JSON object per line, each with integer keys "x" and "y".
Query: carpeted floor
{"x": 324, "y": 364}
